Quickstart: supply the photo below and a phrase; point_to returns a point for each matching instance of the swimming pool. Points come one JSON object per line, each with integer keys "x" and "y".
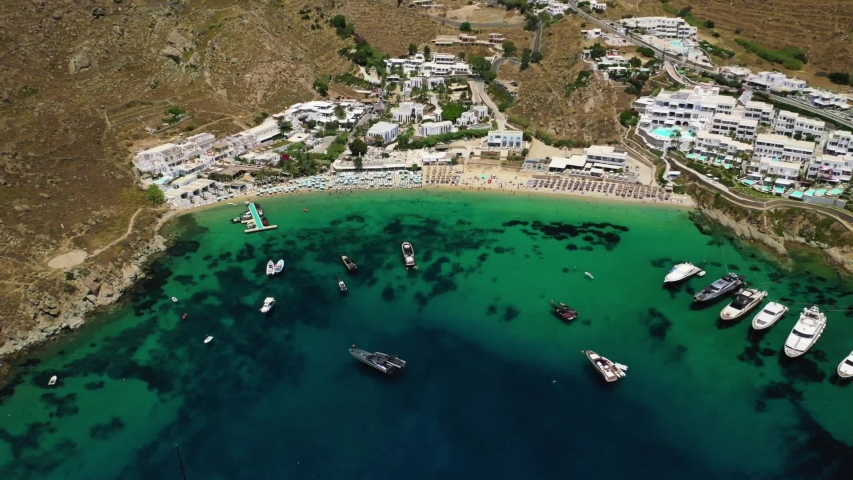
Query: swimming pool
{"x": 748, "y": 182}
{"x": 809, "y": 192}
{"x": 796, "y": 195}
{"x": 820, "y": 192}
{"x": 676, "y": 43}
{"x": 836, "y": 191}
{"x": 162, "y": 181}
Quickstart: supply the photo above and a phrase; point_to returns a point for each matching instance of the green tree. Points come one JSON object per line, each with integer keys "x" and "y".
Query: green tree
{"x": 709, "y": 24}
{"x": 509, "y": 48}
{"x": 597, "y": 51}
{"x": 358, "y": 147}
{"x": 357, "y": 161}
{"x": 479, "y": 66}
{"x": 536, "y": 57}
{"x": 635, "y": 62}
{"x": 154, "y": 195}
{"x": 426, "y": 52}
{"x": 413, "y": 49}
{"x": 465, "y": 27}
{"x": 321, "y": 85}
{"x": 525, "y": 58}
{"x": 839, "y": 78}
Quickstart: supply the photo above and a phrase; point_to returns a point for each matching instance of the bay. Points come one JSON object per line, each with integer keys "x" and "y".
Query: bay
{"x": 495, "y": 387}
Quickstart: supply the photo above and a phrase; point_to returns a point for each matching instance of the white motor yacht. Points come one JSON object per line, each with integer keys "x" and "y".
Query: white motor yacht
{"x": 269, "y": 302}
{"x": 806, "y": 332}
{"x": 680, "y": 272}
{"x": 611, "y": 371}
{"x": 409, "y": 255}
{"x": 845, "y": 368}
{"x": 744, "y": 302}
{"x": 52, "y": 381}
{"x": 769, "y": 315}
{"x": 270, "y": 268}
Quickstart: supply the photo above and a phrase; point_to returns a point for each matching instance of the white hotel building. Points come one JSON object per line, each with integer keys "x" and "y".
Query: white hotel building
{"x": 839, "y": 143}
{"x": 435, "y": 128}
{"x": 692, "y": 108}
{"x": 606, "y": 156}
{"x": 505, "y": 139}
{"x": 727, "y": 124}
{"x": 165, "y": 158}
{"x": 714, "y": 142}
{"x": 763, "y": 112}
{"x": 790, "y": 124}
{"x": 831, "y": 168}
{"x": 661, "y": 27}
{"x": 783, "y": 148}
{"x": 775, "y": 80}
{"x": 788, "y": 172}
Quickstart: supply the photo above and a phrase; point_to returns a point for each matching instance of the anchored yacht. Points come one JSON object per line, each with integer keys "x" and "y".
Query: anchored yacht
{"x": 351, "y": 266}
{"x": 270, "y": 268}
{"x": 278, "y": 267}
{"x": 409, "y": 255}
{"x": 609, "y": 370}
{"x": 845, "y": 368}
{"x": 769, "y": 315}
{"x": 743, "y": 303}
{"x": 806, "y": 332}
{"x": 682, "y": 271}
{"x": 269, "y": 302}
{"x": 564, "y": 311}
{"x": 387, "y": 364}
{"x": 723, "y": 286}
{"x": 342, "y": 286}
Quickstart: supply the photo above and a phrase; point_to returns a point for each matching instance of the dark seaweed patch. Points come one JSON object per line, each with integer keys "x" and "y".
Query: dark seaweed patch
{"x": 510, "y": 313}
{"x": 571, "y": 246}
{"x": 483, "y": 257}
{"x": 664, "y": 262}
{"x": 355, "y": 218}
{"x": 104, "y": 431}
{"x": 732, "y": 266}
{"x": 94, "y": 385}
{"x": 388, "y": 293}
{"x": 184, "y": 279}
{"x": 657, "y": 323}
{"x": 499, "y": 250}
{"x": 492, "y": 310}
{"x": 801, "y": 369}
{"x": 66, "y": 405}
{"x": 513, "y": 223}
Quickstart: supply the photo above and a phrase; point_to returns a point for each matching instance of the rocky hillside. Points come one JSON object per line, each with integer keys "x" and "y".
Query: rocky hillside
{"x": 83, "y": 81}
{"x": 588, "y": 114}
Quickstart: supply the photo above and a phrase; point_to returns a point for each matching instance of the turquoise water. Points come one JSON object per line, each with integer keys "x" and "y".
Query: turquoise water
{"x": 796, "y": 195}
{"x": 496, "y": 386}
{"x": 676, "y": 43}
{"x": 836, "y": 191}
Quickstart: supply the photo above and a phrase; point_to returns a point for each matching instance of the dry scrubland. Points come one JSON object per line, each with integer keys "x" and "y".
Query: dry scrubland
{"x": 821, "y": 28}
{"x": 589, "y": 113}
{"x": 80, "y": 78}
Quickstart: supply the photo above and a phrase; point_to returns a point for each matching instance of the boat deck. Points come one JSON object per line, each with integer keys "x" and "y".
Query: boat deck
{"x": 258, "y": 222}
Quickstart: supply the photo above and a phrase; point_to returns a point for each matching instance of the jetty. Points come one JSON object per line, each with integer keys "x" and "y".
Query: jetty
{"x": 259, "y": 225}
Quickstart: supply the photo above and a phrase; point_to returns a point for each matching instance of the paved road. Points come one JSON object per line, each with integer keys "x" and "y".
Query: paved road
{"x": 537, "y": 40}
{"x": 458, "y": 23}
{"x": 478, "y": 91}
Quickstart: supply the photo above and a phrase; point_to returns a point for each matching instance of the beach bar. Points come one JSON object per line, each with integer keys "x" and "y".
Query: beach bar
{"x": 259, "y": 226}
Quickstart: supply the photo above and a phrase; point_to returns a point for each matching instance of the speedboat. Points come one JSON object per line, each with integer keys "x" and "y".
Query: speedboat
{"x": 269, "y": 302}
{"x": 845, "y": 368}
{"x": 270, "y": 268}
{"x": 768, "y": 316}
{"x": 52, "y": 381}
{"x": 723, "y": 286}
{"x": 278, "y": 267}
{"x": 589, "y": 275}
{"x": 342, "y": 286}
{"x": 564, "y": 311}
{"x": 806, "y": 332}
{"x": 680, "y": 272}
{"x": 609, "y": 370}
{"x": 175, "y": 299}
{"x": 387, "y": 364}
{"x": 351, "y": 266}
{"x": 208, "y": 339}
{"x": 745, "y": 301}
{"x": 409, "y": 255}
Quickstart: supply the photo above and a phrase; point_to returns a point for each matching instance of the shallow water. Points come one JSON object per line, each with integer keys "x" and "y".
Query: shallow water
{"x": 496, "y": 386}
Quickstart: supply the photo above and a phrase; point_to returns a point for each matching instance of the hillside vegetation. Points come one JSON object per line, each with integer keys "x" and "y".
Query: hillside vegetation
{"x": 822, "y": 29}
{"x": 82, "y": 80}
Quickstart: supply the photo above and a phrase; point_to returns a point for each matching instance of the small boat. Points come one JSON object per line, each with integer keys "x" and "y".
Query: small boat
{"x": 175, "y": 299}
{"x": 305, "y": 210}
{"x": 806, "y": 332}
{"x": 564, "y": 311}
{"x": 52, "y": 381}
{"x": 184, "y": 316}
{"x": 845, "y": 368}
{"x": 680, "y": 272}
{"x": 409, "y": 255}
{"x": 769, "y": 315}
{"x": 208, "y": 339}
{"x": 237, "y": 219}
{"x": 351, "y": 266}
{"x": 269, "y": 302}
{"x": 387, "y": 364}
{"x": 589, "y": 275}
{"x": 727, "y": 284}
{"x": 609, "y": 370}
{"x": 278, "y": 267}
{"x": 745, "y": 301}
{"x": 342, "y": 286}
{"x": 270, "y": 268}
